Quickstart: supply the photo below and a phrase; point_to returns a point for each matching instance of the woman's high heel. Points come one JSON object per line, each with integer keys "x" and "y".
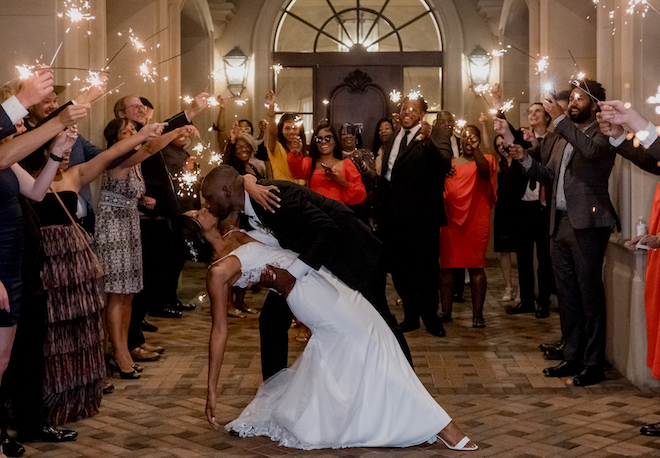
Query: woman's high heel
{"x": 131, "y": 375}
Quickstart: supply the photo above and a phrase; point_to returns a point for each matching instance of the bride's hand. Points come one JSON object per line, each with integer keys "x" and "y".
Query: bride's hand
{"x": 266, "y": 196}
{"x": 278, "y": 279}
{"x": 210, "y": 410}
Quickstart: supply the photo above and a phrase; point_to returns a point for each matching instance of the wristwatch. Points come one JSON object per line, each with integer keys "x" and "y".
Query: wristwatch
{"x": 55, "y": 158}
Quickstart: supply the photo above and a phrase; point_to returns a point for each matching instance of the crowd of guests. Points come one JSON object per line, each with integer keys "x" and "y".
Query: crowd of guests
{"x": 86, "y": 276}
{"x": 69, "y": 269}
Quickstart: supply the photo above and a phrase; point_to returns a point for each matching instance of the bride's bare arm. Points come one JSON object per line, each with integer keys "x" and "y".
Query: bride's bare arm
{"x": 219, "y": 279}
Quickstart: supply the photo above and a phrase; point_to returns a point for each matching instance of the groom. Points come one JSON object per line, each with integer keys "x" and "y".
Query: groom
{"x": 323, "y": 231}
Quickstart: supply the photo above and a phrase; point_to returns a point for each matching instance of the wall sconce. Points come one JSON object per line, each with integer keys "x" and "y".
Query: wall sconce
{"x": 235, "y": 70}
{"x": 480, "y": 63}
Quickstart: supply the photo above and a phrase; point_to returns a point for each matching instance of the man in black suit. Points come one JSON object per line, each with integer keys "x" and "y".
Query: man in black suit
{"x": 409, "y": 211}
{"x": 581, "y": 220}
{"x": 323, "y": 231}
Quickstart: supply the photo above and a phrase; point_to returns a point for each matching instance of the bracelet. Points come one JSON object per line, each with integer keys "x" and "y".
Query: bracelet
{"x": 55, "y": 158}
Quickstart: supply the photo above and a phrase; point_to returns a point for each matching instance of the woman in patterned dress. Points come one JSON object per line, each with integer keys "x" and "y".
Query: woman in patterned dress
{"x": 118, "y": 236}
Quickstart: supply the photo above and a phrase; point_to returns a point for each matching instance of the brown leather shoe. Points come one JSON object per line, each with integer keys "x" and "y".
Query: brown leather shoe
{"x": 139, "y": 354}
{"x": 155, "y": 348}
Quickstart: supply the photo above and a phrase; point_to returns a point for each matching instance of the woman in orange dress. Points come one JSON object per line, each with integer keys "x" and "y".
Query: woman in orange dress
{"x": 469, "y": 197}
{"x": 325, "y": 171}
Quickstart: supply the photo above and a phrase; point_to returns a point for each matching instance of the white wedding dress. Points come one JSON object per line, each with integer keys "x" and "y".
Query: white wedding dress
{"x": 351, "y": 387}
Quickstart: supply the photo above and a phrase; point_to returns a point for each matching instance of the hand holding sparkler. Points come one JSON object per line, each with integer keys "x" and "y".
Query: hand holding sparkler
{"x": 608, "y": 128}
{"x": 529, "y": 136}
{"x": 72, "y": 114}
{"x": 502, "y": 127}
{"x": 189, "y": 131}
{"x": 199, "y": 102}
{"x": 270, "y": 100}
{"x": 235, "y": 130}
{"x": 38, "y": 85}
{"x": 552, "y": 107}
{"x": 483, "y": 120}
{"x": 153, "y": 130}
{"x": 517, "y": 152}
{"x": 496, "y": 93}
{"x": 618, "y": 113}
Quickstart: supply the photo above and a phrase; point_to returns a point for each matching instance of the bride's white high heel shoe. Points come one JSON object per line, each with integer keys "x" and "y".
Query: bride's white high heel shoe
{"x": 461, "y": 445}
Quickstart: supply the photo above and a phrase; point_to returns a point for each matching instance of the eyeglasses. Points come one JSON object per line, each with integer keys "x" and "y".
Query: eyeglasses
{"x": 137, "y": 107}
{"x": 327, "y": 139}
{"x": 243, "y": 148}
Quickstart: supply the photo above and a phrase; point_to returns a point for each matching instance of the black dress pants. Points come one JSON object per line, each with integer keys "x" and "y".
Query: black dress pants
{"x": 532, "y": 230}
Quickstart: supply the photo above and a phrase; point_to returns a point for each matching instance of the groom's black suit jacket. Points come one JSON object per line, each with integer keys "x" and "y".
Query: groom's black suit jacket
{"x": 324, "y": 232}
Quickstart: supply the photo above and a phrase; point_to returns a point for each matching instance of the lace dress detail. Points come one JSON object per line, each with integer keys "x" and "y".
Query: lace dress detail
{"x": 254, "y": 256}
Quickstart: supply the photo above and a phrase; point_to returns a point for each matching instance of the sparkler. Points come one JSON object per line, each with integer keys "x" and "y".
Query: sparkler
{"x": 76, "y": 11}
{"x": 542, "y": 65}
{"x": 24, "y": 71}
{"x": 460, "y": 124}
{"x": 655, "y": 100}
{"x": 395, "y": 96}
{"x": 56, "y": 53}
{"x": 186, "y": 182}
{"x": 499, "y": 52}
{"x": 241, "y": 102}
{"x": 482, "y": 89}
{"x": 187, "y": 99}
{"x": 115, "y": 89}
{"x": 414, "y": 95}
{"x": 147, "y": 72}
{"x": 135, "y": 42}
{"x": 198, "y": 148}
{"x": 326, "y": 101}
{"x": 277, "y": 68}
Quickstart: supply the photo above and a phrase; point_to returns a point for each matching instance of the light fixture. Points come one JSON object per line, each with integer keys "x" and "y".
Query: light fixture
{"x": 480, "y": 63}
{"x": 235, "y": 70}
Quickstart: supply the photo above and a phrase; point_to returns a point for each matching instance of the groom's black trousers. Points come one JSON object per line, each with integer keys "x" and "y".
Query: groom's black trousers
{"x": 275, "y": 321}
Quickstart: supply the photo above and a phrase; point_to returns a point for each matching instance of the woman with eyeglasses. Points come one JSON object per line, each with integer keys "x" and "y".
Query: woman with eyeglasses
{"x": 325, "y": 171}
{"x": 470, "y": 195}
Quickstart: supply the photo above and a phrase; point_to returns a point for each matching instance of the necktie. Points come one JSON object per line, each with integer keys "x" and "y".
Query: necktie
{"x": 404, "y": 140}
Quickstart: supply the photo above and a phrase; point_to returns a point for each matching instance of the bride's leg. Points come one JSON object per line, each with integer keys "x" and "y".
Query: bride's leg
{"x": 452, "y": 435}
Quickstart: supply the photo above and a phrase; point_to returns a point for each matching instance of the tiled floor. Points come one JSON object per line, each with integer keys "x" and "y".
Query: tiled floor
{"x": 489, "y": 380}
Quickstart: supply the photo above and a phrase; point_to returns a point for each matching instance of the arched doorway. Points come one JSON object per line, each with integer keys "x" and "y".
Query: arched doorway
{"x": 341, "y": 58}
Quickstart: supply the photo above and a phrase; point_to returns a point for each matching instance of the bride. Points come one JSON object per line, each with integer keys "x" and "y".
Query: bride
{"x": 351, "y": 387}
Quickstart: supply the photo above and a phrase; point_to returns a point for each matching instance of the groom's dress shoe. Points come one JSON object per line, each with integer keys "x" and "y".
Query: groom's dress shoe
{"x": 438, "y": 331}
{"x": 557, "y": 346}
{"x": 523, "y": 307}
{"x": 589, "y": 376}
{"x": 563, "y": 369}
{"x": 407, "y": 326}
{"x": 557, "y": 355}
{"x": 651, "y": 430}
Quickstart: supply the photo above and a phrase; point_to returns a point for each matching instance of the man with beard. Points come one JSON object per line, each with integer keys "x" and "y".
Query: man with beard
{"x": 581, "y": 220}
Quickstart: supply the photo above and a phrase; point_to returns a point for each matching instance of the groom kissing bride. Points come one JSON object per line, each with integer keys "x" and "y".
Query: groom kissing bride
{"x": 353, "y": 386}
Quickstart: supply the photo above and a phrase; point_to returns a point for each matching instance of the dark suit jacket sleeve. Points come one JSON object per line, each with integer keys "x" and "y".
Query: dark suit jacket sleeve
{"x": 439, "y": 150}
{"x": 6, "y": 126}
{"x": 544, "y": 174}
{"x": 590, "y": 147}
{"x": 300, "y": 225}
{"x": 642, "y": 158}
{"x": 176, "y": 121}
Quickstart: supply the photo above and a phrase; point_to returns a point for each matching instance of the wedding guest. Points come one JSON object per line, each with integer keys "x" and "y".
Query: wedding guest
{"x": 384, "y": 129}
{"x": 470, "y": 195}
{"x": 282, "y": 137}
{"x": 363, "y": 159}
{"x": 325, "y": 170}
{"x": 510, "y": 185}
{"x": 118, "y": 237}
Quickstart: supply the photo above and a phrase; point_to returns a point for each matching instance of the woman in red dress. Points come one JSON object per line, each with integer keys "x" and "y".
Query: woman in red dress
{"x": 469, "y": 197}
{"x": 325, "y": 171}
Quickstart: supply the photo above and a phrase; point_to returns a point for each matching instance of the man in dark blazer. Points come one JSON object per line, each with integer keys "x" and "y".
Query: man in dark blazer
{"x": 409, "y": 211}
{"x": 581, "y": 220}
{"x": 323, "y": 231}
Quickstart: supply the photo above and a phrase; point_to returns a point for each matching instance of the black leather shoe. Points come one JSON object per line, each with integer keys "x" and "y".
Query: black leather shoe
{"x": 10, "y": 447}
{"x": 458, "y": 298}
{"x": 557, "y": 346}
{"x": 650, "y": 430}
{"x": 523, "y": 307}
{"x": 165, "y": 312}
{"x": 438, "y": 331}
{"x": 563, "y": 369}
{"x": 407, "y": 326}
{"x": 589, "y": 376}
{"x": 148, "y": 327}
{"x": 49, "y": 433}
{"x": 181, "y": 307}
{"x": 553, "y": 355}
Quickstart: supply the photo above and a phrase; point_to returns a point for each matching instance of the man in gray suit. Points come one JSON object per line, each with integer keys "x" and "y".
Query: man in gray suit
{"x": 581, "y": 220}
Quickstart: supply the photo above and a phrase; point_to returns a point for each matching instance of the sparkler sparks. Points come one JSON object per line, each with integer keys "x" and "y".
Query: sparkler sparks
{"x": 186, "y": 183}
{"x": 460, "y": 124}
{"x": 395, "y": 96}
{"x": 482, "y": 89}
{"x": 188, "y": 99}
{"x": 633, "y": 4}
{"x": 506, "y": 106}
{"x": 24, "y": 71}
{"x": 655, "y": 100}
{"x": 147, "y": 71}
{"x": 414, "y": 95}
{"x": 213, "y": 102}
{"x": 135, "y": 42}
{"x": 76, "y": 11}
{"x": 241, "y": 102}
{"x": 198, "y": 148}
{"x": 277, "y": 68}
{"x": 542, "y": 65}
{"x": 93, "y": 80}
